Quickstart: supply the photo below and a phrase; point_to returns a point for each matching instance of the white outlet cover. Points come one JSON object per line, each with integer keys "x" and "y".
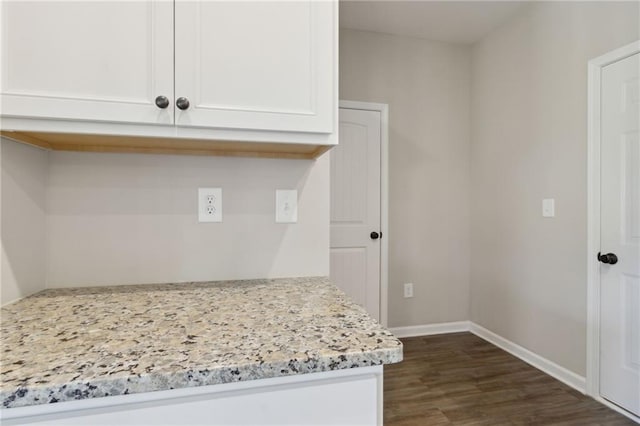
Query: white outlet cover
{"x": 209, "y": 204}
{"x": 286, "y": 206}
{"x": 548, "y": 207}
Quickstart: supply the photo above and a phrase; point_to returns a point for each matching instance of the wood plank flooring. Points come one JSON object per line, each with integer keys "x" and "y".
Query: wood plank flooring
{"x": 460, "y": 379}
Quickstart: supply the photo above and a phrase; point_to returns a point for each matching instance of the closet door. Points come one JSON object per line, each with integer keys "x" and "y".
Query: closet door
{"x": 88, "y": 60}
{"x": 263, "y": 65}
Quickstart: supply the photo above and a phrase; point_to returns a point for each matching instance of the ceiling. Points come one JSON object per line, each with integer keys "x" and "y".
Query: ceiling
{"x": 450, "y": 21}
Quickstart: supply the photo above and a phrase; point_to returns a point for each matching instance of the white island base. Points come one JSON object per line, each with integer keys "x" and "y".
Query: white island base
{"x": 340, "y": 397}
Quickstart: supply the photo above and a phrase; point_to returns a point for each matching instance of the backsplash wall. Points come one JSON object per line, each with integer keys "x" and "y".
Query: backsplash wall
{"x": 132, "y": 218}
{"x": 127, "y": 218}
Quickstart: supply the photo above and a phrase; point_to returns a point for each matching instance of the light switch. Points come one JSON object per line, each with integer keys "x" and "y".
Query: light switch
{"x": 548, "y": 207}
{"x": 286, "y": 206}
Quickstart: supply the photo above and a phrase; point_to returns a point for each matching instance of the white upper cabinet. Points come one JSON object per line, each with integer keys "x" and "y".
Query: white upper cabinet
{"x": 262, "y": 65}
{"x": 87, "y": 60}
{"x": 246, "y": 71}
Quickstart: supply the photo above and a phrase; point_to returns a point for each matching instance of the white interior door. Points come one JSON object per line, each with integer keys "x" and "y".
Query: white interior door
{"x": 620, "y": 234}
{"x": 355, "y": 208}
{"x": 87, "y": 60}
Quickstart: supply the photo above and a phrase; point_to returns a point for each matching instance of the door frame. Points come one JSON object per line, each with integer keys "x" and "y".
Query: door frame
{"x": 383, "y": 109}
{"x": 595, "y": 67}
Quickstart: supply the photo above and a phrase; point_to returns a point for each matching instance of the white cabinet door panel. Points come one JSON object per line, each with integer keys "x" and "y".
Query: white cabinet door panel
{"x": 96, "y": 60}
{"x": 265, "y": 65}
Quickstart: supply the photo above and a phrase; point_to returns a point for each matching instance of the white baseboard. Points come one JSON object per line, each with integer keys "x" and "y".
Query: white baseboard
{"x": 551, "y": 368}
{"x": 431, "y": 329}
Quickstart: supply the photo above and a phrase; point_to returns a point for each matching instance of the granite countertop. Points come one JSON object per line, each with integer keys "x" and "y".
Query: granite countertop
{"x": 70, "y": 344}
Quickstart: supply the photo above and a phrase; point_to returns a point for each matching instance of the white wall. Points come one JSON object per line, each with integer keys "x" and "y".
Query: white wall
{"x": 84, "y": 219}
{"x": 22, "y": 220}
{"x": 427, "y": 87}
{"x": 131, "y": 218}
{"x": 529, "y": 110}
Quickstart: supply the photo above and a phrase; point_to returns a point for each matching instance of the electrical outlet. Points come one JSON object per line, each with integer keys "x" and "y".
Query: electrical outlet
{"x": 408, "y": 290}
{"x": 209, "y": 204}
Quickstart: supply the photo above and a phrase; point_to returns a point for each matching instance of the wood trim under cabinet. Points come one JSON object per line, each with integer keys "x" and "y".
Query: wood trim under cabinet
{"x": 147, "y": 145}
{"x": 25, "y": 138}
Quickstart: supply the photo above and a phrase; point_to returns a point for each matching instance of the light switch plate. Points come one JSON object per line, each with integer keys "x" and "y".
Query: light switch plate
{"x": 209, "y": 204}
{"x": 408, "y": 290}
{"x": 548, "y": 207}
{"x": 286, "y": 206}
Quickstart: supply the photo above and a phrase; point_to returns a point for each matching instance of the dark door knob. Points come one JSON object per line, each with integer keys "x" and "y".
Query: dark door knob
{"x": 162, "y": 102}
{"x": 609, "y": 258}
{"x": 182, "y": 103}
{"x": 374, "y": 235}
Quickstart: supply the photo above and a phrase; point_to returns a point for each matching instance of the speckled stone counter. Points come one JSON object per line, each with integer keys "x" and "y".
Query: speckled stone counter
{"x": 69, "y": 344}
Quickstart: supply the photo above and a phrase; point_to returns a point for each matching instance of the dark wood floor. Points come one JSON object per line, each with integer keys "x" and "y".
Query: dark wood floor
{"x": 460, "y": 379}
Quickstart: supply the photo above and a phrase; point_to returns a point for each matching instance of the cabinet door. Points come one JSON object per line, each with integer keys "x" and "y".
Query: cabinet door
{"x": 263, "y": 65}
{"x": 87, "y": 60}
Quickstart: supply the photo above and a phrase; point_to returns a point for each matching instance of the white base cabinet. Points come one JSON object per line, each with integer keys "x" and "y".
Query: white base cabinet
{"x": 343, "y": 397}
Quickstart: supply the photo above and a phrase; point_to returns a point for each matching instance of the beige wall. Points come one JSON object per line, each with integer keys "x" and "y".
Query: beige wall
{"x": 529, "y": 109}
{"x": 127, "y": 218}
{"x": 22, "y": 220}
{"x": 427, "y": 87}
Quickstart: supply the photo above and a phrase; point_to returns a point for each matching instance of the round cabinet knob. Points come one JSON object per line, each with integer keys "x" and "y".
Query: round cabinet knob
{"x": 609, "y": 258}
{"x": 162, "y": 102}
{"x": 182, "y": 103}
{"x": 374, "y": 235}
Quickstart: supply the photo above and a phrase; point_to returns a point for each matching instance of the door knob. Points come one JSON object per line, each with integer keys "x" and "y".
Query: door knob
{"x": 182, "y": 103}
{"x": 374, "y": 235}
{"x": 162, "y": 102}
{"x": 609, "y": 258}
